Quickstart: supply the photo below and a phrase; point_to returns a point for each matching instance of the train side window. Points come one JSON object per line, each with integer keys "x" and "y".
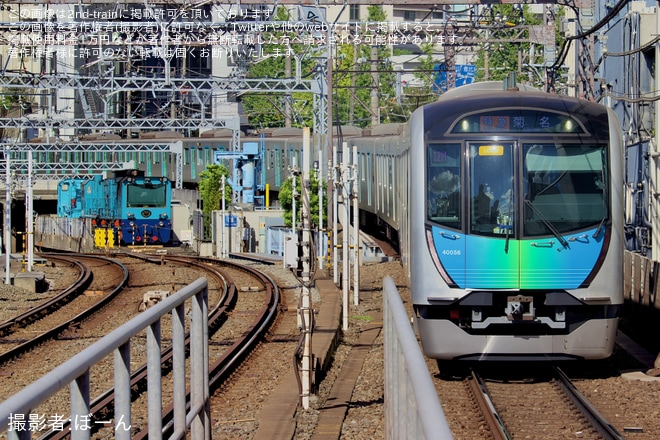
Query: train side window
{"x": 443, "y": 174}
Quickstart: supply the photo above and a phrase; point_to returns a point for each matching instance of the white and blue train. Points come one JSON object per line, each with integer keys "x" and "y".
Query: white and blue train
{"x": 508, "y": 207}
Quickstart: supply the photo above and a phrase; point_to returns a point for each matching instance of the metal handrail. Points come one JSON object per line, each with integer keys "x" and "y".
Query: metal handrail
{"x": 412, "y": 407}
{"x": 75, "y": 372}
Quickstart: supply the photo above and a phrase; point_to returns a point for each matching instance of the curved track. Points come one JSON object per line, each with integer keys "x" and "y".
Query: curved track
{"x": 64, "y": 297}
{"x": 221, "y": 368}
{"x": 46, "y": 308}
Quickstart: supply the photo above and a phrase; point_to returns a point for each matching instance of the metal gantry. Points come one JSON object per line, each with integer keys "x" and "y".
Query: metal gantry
{"x": 93, "y": 66}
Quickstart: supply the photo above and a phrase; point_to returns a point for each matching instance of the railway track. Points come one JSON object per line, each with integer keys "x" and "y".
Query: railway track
{"x": 547, "y": 405}
{"x": 228, "y": 362}
{"x": 591, "y": 388}
{"x": 22, "y": 325}
{"x": 22, "y": 370}
{"x": 228, "y": 354}
{"x": 65, "y": 296}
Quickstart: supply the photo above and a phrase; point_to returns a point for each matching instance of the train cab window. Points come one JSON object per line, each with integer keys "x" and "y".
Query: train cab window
{"x": 443, "y": 174}
{"x": 151, "y": 196}
{"x": 565, "y": 187}
{"x": 491, "y": 188}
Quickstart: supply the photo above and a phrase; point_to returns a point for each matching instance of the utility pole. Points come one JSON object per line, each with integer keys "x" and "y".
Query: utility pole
{"x": 375, "y": 84}
{"x": 287, "y": 98}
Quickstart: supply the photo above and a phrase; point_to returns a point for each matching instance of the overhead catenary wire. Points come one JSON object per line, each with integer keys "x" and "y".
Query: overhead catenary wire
{"x": 563, "y": 52}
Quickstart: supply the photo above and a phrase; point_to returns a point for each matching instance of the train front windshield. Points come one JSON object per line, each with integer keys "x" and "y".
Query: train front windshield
{"x": 565, "y": 187}
{"x": 551, "y": 188}
{"x": 151, "y": 196}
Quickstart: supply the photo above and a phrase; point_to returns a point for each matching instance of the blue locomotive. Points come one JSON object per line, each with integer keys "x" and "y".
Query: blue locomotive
{"x": 135, "y": 207}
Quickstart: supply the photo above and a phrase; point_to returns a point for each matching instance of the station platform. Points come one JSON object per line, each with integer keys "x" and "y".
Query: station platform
{"x": 277, "y": 420}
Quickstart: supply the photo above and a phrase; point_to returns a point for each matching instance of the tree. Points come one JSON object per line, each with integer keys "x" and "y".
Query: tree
{"x": 354, "y": 79}
{"x": 267, "y": 109}
{"x": 209, "y": 187}
{"x": 286, "y": 200}
{"x": 210, "y": 192}
{"x": 496, "y": 60}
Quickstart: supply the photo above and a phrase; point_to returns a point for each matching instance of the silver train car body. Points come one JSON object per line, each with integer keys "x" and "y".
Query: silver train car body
{"x": 508, "y": 207}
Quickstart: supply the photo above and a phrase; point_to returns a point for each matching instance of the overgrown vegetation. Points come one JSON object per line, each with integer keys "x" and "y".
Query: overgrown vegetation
{"x": 211, "y": 193}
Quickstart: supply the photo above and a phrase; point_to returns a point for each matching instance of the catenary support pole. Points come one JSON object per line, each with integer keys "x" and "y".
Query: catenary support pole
{"x": 222, "y": 197}
{"x": 335, "y": 217}
{"x": 7, "y": 219}
{"x": 319, "y": 177}
{"x": 306, "y": 307}
{"x": 346, "y": 230}
{"x": 29, "y": 221}
{"x": 356, "y": 231}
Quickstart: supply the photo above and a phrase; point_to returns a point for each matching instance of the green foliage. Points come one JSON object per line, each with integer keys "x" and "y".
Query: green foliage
{"x": 560, "y": 14}
{"x": 266, "y": 109}
{"x": 286, "y": 200}
{"x": 210, "y": 190}
{"x": 354, "y": 80}
{"x": 503, "y": 58}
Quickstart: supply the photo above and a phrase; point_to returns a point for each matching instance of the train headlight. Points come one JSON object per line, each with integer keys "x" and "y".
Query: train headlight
{"x": 162, "y": 216}
{"x": 161, "y": 224}
{"x": 465, "y": 125}
{"x": 569, "y": 125}
{"x": 131, "y": 224}
{"x": 131, "y": 216}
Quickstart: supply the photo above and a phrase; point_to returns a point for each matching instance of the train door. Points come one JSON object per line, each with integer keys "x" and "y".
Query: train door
{"x": 492, "y": 251}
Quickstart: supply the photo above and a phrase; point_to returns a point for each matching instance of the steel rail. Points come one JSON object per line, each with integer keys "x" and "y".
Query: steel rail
{"x": 35, "y": 313}
{"x": 238, "y": 351}
{"x": 597, "y": 420}
{"x": 55, "y": 331}
{"x": 102, "y": 406}
{"x": 478, "y": 390}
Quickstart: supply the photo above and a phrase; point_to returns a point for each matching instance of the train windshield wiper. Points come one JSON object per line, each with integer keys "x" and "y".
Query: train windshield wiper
{"x": 604, "y": 195}
{"x": 548, "y": 224}
{"x": 600, "y": 228}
